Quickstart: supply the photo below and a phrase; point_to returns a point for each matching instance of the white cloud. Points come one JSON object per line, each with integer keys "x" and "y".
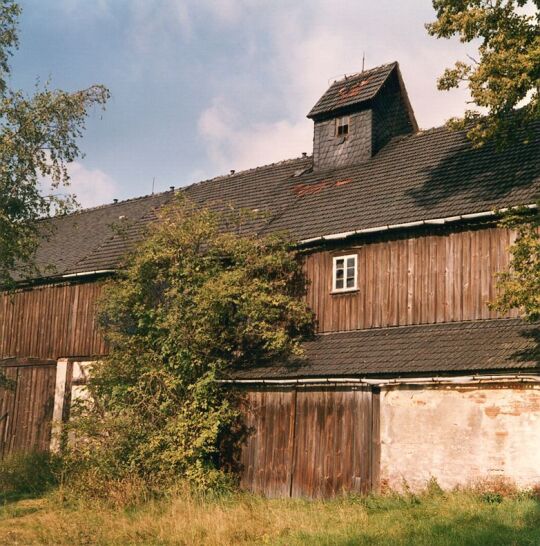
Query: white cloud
{"x": 233, "y": 144}
{"x": 312, "y": 44}
{"x": 91, "y": 186}
{"x": 305, "y": 44}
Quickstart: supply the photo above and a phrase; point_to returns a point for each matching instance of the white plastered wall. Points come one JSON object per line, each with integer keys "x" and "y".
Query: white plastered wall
{"x": 460, "y": 435}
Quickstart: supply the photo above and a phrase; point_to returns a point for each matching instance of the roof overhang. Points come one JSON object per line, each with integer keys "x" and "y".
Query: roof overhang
{"x": 418, "y": 223}
{"x": 382, "y": 382}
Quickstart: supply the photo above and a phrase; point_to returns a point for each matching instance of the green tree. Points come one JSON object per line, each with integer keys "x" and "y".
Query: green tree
{"x": 38, "y": 139}
{"x": 504, "y": 82}
{"x": 195, "y": 300}
{"x": 519, "y": 286}
{"x": 507, "y": 71}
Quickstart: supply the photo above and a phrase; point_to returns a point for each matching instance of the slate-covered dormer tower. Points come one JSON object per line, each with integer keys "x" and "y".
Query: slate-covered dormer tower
{"x": 358, "y": 115}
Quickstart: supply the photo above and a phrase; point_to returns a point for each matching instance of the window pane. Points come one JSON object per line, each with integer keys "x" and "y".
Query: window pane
{"x": 350, "y": 282}
{"x": 350, "y": 272}
{"x": 339, "y": 284}
{"x": 340, "y": 263}
{"x": 350, "y": 262}
{"x": 339, "y": 273}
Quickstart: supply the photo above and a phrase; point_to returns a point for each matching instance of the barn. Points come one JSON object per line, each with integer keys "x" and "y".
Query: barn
{"x": 411, "y": 374}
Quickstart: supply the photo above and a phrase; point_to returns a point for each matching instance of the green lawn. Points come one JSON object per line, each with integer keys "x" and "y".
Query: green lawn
{"x": 430, "y": 520}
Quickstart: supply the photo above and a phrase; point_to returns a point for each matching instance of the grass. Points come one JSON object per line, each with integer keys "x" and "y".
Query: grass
{"x": 458, "y": 518}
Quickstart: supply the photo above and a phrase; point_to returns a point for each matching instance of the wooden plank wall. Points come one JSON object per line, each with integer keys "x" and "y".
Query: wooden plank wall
{"x": 310, "y": 442}
{"x": 50, "y": 322}
{"x": 26, "y": 411}
{"x": 266, "y": 457}
{"x": 415, "y": 280}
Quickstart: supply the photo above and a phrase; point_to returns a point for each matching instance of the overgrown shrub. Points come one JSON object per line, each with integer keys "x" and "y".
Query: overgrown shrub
{"x": 198, "y": 298}
{"x": 29, "y": 474}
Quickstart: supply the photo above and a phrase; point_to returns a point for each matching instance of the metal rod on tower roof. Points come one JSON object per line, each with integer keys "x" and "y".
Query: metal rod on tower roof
{"x": 363, "y": 60}
{"x": 153, "y": 184}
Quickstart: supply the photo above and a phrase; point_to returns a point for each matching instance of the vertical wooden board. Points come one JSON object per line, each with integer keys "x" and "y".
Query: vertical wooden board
{"x": 420, "y": 281}
{"x": 363, "y": 428}
{"x": 318, "y": 444}
{"x": 304, "y": 456}
{"x": 433, "y": 276}
{"x": 300, "y": 449}
{"x": 369, "y": 302}
{"x": 466, "y": 295}
{"x": 7, "y": 402}
{"x": 374, "y": 439}
{"x": 328, "y": 308}
{"x": 411, "y": 264}
{"x": 338, "y": 412}
{"x": 311, "y": 439}
{"x": 403, "y": 277}
{"x": 259, "y": 457}
{"x": 53, "y": 311}
{"x": 332, "y": 442}
{"x": 441, "y": 300}
{"x": 475, "y": 289}
{"x": 393, "y": 297}
{"x": 266, "y": 453}
{"x": 457, "y": 278}
{"x": 28, "y": 409}
{"x": 250, "y": 405}
{"x": 362, "y": 287}
{"x": 326, "y": 446}
{"x": 485, "y": 268}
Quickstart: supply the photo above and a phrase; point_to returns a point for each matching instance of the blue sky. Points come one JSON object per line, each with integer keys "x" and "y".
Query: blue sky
{"x": 200, "y": 87}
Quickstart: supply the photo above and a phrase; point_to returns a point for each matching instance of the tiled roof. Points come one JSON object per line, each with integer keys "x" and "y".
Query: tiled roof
{"x": 85, "y": 240}
{"x": 352, "y": 90}
{"x": 96, "y": 239}
{"x": 459, "y": 347}
{"x": 428, "y": 175}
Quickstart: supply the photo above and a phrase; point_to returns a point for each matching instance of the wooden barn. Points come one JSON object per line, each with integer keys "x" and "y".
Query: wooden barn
{"x": 411, "y": 375}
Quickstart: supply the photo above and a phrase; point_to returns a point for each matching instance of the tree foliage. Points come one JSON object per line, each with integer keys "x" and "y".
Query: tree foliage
{"x": 519, "y": 286}
{"x": 507, "y": 71}
{"x": 196, "y": 300}
{"x": 38, "y": 139}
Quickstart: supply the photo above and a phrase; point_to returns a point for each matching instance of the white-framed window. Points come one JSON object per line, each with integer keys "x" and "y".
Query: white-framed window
{"x": 342, "y": 126}
{"x": 345, "y": 273}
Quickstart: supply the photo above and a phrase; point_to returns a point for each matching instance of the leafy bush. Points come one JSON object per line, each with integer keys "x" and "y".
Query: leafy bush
{"x": 28, "y": 474}
{"x": 197, "y": 299}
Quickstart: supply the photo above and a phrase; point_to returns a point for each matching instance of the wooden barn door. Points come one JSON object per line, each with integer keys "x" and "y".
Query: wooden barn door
{"x": 266, "y": 457}
{"x": 311, "y": 442}
{"x": 26, "y": 409}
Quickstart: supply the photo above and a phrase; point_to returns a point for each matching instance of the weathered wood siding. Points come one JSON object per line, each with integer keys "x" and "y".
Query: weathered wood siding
{"x": 415, "y": 280}
{"x": 26, "y": 410}
{"x": 310, "y": 442}
{"x": 50, "y": 322}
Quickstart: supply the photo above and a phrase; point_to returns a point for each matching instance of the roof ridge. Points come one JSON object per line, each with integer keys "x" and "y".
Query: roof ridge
{"x": 245, "y": 171}
{"x": 347, "y": 77}
{"x": 180, "y": 188}
{"x": 83, "y": 210}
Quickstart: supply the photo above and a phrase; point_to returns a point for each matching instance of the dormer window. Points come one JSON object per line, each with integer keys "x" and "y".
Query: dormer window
{"x": 345, "y": 273}
{"x": 342, "y": 126}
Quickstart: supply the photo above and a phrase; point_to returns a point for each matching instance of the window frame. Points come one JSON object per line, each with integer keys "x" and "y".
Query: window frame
{"x": 338, "y": 125}
{"x": 345, "y": 288}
